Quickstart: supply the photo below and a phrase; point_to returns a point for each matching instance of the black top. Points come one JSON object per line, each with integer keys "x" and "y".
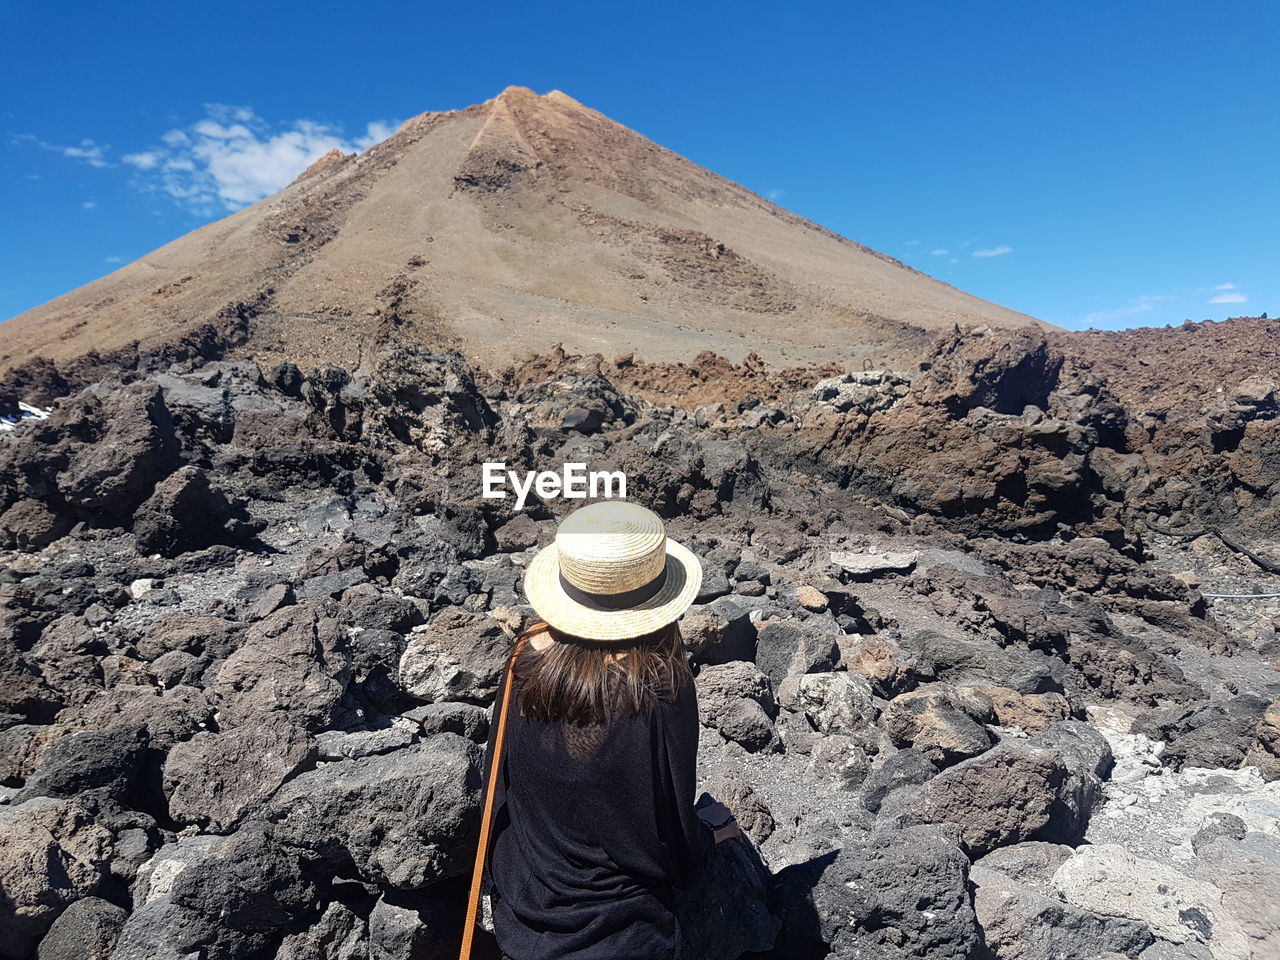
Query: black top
{"x": 593, "y": 827}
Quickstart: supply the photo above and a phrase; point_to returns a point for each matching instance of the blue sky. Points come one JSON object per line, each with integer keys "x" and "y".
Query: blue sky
{"x": 1090, "y": 163}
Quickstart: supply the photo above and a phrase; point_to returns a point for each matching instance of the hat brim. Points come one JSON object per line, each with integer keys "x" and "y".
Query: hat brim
{"x": 548, "y": 598}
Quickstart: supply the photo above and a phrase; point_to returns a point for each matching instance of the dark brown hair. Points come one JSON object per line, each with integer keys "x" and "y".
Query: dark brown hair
{"x": 584, "y": 682}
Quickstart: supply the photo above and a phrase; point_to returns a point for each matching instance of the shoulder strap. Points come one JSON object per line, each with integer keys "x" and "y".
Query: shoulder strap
{"x": 482, "y": 847}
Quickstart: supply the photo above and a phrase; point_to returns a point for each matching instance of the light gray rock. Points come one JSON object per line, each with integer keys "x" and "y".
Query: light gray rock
{"x": 336, "y": 745}
{"x": 833, "y": 702}
{"x": 1029, "y": 864}
{"x": 465, "y": 719}
{"x": 1019, "y": 923}
{"x": 868, "y": 566}
{"x": 1178, "y": 909}
{"x": 457, "y": 656}
{"x": 1247, "y": 871}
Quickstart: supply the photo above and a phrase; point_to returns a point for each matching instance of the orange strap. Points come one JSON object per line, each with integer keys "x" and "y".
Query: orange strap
{"x": 477, "y": 872}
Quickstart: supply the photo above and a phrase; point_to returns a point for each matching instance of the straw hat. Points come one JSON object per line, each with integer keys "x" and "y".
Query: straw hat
{"x": 612, "y": 574}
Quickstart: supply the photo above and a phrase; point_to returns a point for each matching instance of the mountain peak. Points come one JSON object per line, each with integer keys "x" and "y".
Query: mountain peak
{"x": 502, "y": 228}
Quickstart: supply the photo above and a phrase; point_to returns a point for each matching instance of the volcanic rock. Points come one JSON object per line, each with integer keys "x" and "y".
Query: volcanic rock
{"x": 831, "y": 702}
{"x": 1024, "y": 924}
{"x": 944, "y": 724}
{"x": 216, "y": 780}
{"x": 458, "y": 656}
{"x": 885, "y": 894}
{"x": 339, "y": 934}
{"x": 295, "y": 662}
{"x": 51, "y": 855}
{"x": 379, "y": 813}
{"x": 86, "y": 930}
{"x": 1177, "y": 909}
{"x": 788, "y": 647}
{"x": 737, "y": 700}
{"x": 186, "y": 512}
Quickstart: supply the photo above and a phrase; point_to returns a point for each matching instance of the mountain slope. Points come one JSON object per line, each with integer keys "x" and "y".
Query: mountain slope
{"x": 501, "y": 229}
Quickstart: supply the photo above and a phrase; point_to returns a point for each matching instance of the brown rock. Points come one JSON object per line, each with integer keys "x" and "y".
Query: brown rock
{"x": 1005, "y": 796}
{"x": 811, "y": 598}
{"x": 30, "y": 525}
{"x": 1033, "y": 712}
{"x": 518, "y": 533}
{"x": 943, "y": 723}
{"x": 1265, "y": 752}
{"x": 889, "y": 668}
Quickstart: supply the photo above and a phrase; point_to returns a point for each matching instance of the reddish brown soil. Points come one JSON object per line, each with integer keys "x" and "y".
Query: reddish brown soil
{"x": 1165, "y": 368}
{"x": 708, "y": 378}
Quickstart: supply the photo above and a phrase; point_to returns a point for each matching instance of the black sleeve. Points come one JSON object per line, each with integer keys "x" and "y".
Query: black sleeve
{"x": 687, "y": 839}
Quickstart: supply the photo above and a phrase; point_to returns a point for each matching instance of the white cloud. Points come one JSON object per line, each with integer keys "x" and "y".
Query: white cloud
{"x": 146, "y": 160}
{"x": 1228, "y": 297}
{"x": 232, "y": 157}
{"x": 1224, "y": 286}
{"x": 94, "y": 154}
{"x": 993, "y": 251}
{"x": 776, "y": 195}
{"x": 1138, "y": 305}
{"x": 113, "y": 259}
{"x": 939, "y": 252}
{"x": 88, "y": 151}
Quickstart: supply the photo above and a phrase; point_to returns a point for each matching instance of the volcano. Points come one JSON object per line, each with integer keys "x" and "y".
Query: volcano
{"x": 499, "y": 230}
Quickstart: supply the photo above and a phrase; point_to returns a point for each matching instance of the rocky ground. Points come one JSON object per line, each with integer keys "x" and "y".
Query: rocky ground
{"x": 958, "y": 673}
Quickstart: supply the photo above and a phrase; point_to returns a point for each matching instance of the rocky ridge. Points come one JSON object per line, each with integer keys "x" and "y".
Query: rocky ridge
{"x": 959, "y": 671}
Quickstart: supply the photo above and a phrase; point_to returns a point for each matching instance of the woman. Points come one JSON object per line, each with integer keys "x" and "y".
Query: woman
{"x": 594, "y": 826}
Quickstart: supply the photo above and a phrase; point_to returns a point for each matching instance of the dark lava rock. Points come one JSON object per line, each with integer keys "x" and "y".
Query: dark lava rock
{"x": 376, "y": 813}
{"x": 187, "y": 512}
{"x": 113, "y": 760}
{"x": 891, "y": 894}
{"x": 86, "y": 930}
{"x": 905, "y": 768}
{"x": 785, "y": 648}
